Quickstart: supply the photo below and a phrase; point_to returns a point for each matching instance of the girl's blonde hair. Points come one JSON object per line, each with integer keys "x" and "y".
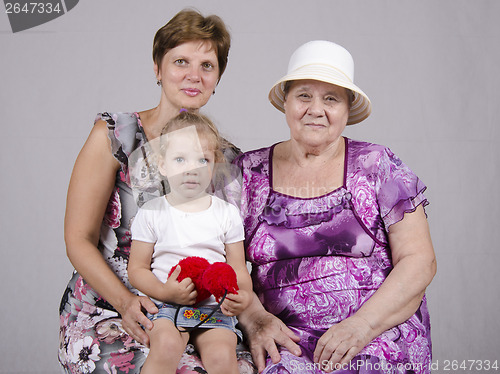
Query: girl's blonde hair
{"x": 204, "y": 127}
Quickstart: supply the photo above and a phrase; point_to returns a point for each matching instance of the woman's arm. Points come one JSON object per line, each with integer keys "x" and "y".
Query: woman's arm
{"x": 90, "y": 188}
{"x": 395, "y": 301}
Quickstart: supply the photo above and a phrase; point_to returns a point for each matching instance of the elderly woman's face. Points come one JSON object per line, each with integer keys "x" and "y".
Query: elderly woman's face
{"x": 316, "y": 112}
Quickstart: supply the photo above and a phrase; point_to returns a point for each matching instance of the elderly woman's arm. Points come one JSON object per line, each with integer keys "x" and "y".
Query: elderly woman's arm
{"x": 264, "y": 332}
{"x": 397, "y": 299}
{"x": 90, "y": 187}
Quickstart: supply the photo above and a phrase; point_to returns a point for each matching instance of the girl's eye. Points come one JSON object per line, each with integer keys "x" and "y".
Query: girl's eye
{"x": 179, "y": 159}
{"x": 204, "y": 161}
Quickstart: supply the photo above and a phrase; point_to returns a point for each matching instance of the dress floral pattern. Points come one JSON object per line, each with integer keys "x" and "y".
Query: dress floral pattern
{"x": 92, "y": 339}
{"x": 315, "y": 261}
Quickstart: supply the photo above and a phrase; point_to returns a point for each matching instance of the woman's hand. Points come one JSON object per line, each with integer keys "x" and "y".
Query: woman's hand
{"x": 133, "y": 317}
{"x": 341, "y": 342}
{"x": 265, "y": 332}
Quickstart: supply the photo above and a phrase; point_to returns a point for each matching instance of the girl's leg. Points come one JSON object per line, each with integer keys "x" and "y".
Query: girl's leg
{"x": 167, "y": 345}
{"x": 217, "y": 348}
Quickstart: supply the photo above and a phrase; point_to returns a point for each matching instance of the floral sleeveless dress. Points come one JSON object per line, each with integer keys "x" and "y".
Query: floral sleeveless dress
{"x": 315, "y": 261}
{"x": 92, "y": 339}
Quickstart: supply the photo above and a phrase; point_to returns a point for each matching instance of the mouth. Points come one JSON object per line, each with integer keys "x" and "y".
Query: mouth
{"x": 315, "y": 125}
{"x": 191, "y": 184}
{"x": 192, "y": 92}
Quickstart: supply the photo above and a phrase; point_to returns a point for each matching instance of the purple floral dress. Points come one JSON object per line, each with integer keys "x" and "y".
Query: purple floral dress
{"x": 92, "y": 339}
{"x": 315, "y": 261}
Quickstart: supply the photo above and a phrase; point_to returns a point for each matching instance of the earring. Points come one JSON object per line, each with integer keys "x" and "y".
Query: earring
{"x": 158, "y": 83}
{"x": 213, "y": 93}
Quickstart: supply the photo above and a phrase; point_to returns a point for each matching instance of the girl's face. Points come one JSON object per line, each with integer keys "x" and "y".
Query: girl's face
{"x": 188, "y": 163}
{"x": 316, "y": 112}
{"x": 189, "y": 74}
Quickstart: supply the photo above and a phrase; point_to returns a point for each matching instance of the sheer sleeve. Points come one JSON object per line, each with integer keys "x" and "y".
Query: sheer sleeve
{"x": 124, "y": 134}
{"x": 400, "y": 191}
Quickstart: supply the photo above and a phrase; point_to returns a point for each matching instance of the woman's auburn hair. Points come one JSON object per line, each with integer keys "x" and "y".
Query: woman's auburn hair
{"x": 189, "y": 25}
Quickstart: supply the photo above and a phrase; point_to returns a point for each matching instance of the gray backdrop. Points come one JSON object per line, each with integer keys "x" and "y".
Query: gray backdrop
{"x": 430, "y": 68}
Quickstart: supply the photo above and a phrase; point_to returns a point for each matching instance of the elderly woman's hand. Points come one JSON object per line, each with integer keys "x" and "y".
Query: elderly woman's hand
{"x": 341, "y": 342}
{"x": 264, "y": 332}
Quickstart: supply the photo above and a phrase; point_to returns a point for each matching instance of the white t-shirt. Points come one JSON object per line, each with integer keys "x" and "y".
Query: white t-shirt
{"x": 178, "y": 234}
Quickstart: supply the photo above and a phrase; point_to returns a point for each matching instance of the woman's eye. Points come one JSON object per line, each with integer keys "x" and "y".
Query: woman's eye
{"x": 207, "y": 66}
{"x": 331, "y": 98}
{"x": 180, "y": 61}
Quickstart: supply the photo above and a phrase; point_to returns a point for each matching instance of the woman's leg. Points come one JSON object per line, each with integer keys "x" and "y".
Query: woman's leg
{"x": 92, "y": 339}
{"x": 217, "y": 348}
{"x": 167, "y": 345}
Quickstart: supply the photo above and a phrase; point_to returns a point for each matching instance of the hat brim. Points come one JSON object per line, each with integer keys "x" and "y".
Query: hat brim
{"x": 361, "y": 106}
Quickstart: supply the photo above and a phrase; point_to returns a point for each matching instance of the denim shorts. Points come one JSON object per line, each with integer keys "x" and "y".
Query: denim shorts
{"x": 190, "y": 316}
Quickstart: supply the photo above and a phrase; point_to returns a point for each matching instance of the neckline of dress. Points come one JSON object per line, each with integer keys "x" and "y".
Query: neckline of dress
{"x": 328, "y": 194}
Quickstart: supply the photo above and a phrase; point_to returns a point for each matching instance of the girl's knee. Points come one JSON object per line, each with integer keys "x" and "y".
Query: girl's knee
{"x": 169, "y": 343}
{"x": 221, "y": 362}
{"x": 167, "y": 340}
{"x": 220, "y": 356}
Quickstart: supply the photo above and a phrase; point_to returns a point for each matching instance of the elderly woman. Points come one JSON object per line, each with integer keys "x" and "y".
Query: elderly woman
{"x": 336, "y": 233}
{"x": 101, "y": 313}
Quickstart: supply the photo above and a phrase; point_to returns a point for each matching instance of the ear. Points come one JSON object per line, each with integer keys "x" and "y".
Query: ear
{"x": 157, "y": 71}
{"x": 161, "y": 167}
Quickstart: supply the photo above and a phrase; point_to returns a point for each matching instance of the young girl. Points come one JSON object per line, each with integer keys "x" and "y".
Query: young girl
{"x": 188, "y": 221}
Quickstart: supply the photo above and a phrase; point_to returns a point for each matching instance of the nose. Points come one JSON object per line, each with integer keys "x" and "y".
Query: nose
{"x": 192, "y": 168}
{"x": 315, "y": 107}
{"x": 193, "y": 73}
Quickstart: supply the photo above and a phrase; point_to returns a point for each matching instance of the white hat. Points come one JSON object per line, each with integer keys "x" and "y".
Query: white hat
{"x": 326, "y": 62}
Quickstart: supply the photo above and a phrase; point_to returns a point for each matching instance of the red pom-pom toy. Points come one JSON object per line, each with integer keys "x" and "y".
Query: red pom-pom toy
{"x": 219, "y": 278}
{"x": 209, "y": 279}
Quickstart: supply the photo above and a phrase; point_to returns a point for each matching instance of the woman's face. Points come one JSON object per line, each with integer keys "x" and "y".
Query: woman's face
{"x": 189, "y": 74}
{"x": 316, "y": 112}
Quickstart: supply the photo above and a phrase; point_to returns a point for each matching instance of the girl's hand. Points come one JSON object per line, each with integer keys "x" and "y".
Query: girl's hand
{"x": 183, "y": 292}
{"x": 234, "y": 304}
{"x": 341, "y": 342}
